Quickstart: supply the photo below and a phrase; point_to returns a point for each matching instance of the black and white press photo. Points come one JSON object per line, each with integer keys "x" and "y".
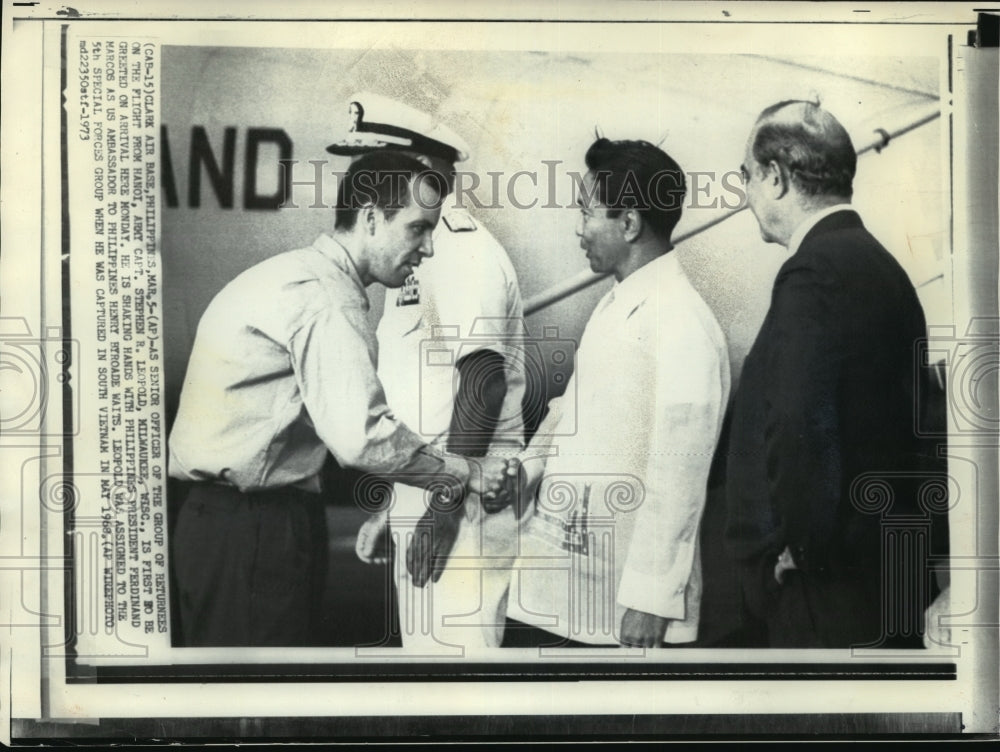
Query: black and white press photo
{"x": 530, "y": 365}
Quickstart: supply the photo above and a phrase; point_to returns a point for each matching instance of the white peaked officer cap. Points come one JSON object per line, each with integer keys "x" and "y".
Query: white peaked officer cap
{"x": 383, "y": 123}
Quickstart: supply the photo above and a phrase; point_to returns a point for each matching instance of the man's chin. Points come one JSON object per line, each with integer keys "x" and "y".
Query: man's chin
{"x": 766, "y": 236}
{"x": 401, "y": 276}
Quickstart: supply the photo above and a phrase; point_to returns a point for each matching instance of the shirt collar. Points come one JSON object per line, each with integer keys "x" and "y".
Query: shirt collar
{"x": 335, "y": 251}
{"x": 810, "y": 222}
{"x": 644, "y": 281}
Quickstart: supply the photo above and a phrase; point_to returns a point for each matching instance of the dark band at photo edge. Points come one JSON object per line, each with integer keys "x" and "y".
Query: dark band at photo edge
{"x": 530, "y": 672}
{"x": 67, "y": 428}
{"x": 498, "y": 728}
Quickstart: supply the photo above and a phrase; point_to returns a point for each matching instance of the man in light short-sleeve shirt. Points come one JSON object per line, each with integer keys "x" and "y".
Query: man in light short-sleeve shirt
{"x": 282, "y": 370}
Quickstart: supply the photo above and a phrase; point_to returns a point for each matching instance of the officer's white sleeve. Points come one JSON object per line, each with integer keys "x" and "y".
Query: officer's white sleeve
{"x": 473, "y": 294}
{"x": 479, "y": 294}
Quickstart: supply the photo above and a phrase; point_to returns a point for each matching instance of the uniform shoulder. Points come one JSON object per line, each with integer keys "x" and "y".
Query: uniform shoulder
{"x": 458, "y": 220}
{"x": 465, "y": 240}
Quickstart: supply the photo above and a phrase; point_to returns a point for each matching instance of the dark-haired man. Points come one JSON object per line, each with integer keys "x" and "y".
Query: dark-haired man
{"x": 282, "y": 370}
{"x": 823, "y": 424}
{"x": 451, "y": 368}
{"x": 610, "y": 556}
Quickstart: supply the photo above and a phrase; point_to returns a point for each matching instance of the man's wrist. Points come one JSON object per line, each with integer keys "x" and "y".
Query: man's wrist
{"x": 457, "y": 468}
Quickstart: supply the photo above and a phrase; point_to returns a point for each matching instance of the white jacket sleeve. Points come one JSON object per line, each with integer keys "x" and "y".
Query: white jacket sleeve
{"x": 689, "y": 397}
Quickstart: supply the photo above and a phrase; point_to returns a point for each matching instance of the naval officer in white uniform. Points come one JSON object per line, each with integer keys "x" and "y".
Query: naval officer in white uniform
{"x": 451, "y": 362}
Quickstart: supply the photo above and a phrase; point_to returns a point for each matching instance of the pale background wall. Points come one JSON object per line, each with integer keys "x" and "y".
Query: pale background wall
{"x": 516, "y": 109}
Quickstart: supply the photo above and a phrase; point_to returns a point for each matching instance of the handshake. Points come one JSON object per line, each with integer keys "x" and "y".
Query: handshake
{"x": 495, "y": 480}
{"x": 498, "y": 482}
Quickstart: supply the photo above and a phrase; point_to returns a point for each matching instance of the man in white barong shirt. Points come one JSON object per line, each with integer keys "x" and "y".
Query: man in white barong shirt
{"x": 618, "y": 468}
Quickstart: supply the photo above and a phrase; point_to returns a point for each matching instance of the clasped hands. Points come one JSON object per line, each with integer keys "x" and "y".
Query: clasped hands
{"x": 497, "y": 483}
{"x": 496, "y": 480}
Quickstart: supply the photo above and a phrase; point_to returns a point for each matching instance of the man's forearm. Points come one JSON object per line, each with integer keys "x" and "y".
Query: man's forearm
{"x": 482, "y": 388}
{"x": 429, "y": 467}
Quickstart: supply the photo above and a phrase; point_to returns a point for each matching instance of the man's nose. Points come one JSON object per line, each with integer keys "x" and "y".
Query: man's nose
{"x": 427, "y": 247}
{"x": 579, "y": 227}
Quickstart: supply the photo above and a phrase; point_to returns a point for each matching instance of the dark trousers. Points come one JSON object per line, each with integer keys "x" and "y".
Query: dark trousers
{"x": 517, "y": 634}
{"x": 822, "y": 609}
{"x": 250, "y": 568}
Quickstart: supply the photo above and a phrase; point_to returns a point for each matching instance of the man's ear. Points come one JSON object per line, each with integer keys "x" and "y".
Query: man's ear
{"x": 776, "y": 180}
{"x": 631, "y": 224}
{"x": 369, "y": 216}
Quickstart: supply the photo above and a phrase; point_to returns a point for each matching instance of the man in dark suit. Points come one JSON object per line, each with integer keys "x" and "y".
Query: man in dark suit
{"x": 832, "y": 491}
